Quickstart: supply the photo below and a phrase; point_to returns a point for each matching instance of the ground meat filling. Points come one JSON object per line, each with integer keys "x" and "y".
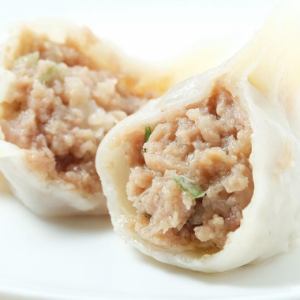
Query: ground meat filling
{"x": 192, "y": 177}
{"x": 61, "y": 109}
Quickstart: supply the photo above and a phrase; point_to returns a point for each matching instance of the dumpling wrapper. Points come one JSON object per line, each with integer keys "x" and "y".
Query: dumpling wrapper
{"x": 39, "y": 193}
{"x": 265, "y": 78}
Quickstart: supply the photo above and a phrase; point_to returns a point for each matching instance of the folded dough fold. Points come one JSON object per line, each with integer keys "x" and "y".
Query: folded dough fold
{"x": 206, "y": 177}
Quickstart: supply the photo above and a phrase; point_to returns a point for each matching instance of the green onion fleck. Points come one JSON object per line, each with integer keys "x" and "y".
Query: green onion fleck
{"x": 189, "y": 186}
{"x": 148, "y": 132}
{"x": 30, "y": 59}
{"x": 49, "y": 75}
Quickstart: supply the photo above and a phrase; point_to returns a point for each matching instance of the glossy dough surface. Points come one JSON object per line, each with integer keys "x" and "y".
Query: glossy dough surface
{"x": 171, "y": 219}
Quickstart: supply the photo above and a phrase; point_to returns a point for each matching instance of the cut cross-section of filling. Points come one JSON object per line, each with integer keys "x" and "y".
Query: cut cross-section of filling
{"x": 190, "y": 175}
{"x": 60, "y": 107}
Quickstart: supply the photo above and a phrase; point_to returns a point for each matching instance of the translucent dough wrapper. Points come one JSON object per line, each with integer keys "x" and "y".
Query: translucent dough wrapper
{"x": 207, "y": 176}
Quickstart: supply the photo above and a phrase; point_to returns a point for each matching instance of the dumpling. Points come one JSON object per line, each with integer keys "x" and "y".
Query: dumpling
{"x": 207, "y": 176}
{"x": 61, "y": 91}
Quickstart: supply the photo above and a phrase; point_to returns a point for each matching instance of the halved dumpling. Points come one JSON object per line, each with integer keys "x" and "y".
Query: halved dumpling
{"x": 206, "y": 177}
{"x": 191, "y": 178}
{"x": 61, "y": 91}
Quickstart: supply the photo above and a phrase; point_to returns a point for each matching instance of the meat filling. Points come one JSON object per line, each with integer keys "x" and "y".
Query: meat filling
{"x": 60, "y": 109}
{"x": 190, "y": 176}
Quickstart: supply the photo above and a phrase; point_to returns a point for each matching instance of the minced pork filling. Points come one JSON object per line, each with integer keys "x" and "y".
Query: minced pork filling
{"x": 61, "y": 109}
{"x": 191, "y": 177}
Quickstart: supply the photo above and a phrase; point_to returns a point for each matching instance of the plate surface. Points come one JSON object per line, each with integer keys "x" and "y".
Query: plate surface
{"x": 81, "y": 258}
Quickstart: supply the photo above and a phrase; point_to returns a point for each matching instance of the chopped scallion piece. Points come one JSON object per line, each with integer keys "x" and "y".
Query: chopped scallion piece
{"x": 189, "y": 186}
{"x": 148, "y": 132}
{"x": 29, "y": 60}
{"x": 49, "y": 75}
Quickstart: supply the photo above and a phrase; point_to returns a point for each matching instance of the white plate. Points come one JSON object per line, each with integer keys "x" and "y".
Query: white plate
{"x": 81, "y": 258}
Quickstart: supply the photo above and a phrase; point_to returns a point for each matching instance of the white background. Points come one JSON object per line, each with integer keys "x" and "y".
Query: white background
{"x": 152, "y": 29}
{"x": 80, "y": 258}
